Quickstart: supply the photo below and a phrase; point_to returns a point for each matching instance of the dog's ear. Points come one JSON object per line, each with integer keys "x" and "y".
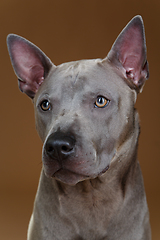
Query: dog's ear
{"x": 30, "y": 64}
{"x": 128, "y": 54}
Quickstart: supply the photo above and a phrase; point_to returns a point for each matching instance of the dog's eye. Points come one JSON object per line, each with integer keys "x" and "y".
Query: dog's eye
{"x": 45, "y": 105}
{"x": 101, "y": 102}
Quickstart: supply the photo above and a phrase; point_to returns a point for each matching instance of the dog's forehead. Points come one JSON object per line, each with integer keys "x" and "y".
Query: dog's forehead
{"x": 78, "y": 72}
{"x": 82, "y": 77}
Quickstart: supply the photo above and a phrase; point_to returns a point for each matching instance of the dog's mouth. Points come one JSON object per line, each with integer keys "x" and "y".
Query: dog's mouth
{"x": 69, "y": 177}
{"x": 104, "y": 170}
{"x": 72, "y": 178}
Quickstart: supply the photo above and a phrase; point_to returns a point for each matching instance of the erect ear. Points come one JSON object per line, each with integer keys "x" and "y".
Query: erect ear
{"x": 30, "y": 64}
{"x": 128, "y": 54}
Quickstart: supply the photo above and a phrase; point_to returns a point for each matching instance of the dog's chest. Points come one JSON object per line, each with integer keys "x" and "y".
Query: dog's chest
{"x": 88, "y": 214}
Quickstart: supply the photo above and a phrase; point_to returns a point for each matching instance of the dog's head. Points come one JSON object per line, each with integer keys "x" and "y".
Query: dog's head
{"x": 85, "y": 109}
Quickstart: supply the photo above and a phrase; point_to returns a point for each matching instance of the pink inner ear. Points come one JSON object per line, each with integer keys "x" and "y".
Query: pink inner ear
{"x": 131, "y": 53}
{"x": 30, "y": 87}
{"x": 26, "y": 62}
{"x": 28, "y": 65}
{"x": 128, "y": 54}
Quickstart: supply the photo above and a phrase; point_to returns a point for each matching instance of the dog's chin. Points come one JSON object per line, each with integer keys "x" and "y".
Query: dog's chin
{"x": 71, "y": 178}
{"x": 68, "y": 177}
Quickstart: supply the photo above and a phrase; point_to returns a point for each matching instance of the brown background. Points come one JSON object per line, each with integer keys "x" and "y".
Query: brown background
{"x": 69, "y": 30}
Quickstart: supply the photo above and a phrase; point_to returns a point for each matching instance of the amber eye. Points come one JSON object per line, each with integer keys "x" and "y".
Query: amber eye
{"x": 45, "y": 105}
{"x": 101, "y": 102}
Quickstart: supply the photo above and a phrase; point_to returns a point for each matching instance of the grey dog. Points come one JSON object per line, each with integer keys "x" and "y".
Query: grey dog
{"x": 91, "y": 186}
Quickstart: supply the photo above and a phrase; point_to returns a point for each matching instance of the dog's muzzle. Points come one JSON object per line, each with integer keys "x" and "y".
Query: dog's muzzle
{"x": 60, "y": 160}
{"x": 66, "y": 159}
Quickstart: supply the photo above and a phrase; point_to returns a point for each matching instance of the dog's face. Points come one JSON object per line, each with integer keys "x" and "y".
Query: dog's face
{"x": 84, "y": 110}
{"x": 84, "y": 101}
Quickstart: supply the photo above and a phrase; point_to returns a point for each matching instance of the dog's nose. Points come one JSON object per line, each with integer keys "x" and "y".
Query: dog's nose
{"x": 59, "y": 146}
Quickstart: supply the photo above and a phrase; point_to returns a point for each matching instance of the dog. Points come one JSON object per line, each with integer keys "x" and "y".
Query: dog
{"x": 91, "y": 186}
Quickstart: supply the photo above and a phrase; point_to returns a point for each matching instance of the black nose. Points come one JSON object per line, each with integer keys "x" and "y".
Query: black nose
{"x": 59, "y": 146}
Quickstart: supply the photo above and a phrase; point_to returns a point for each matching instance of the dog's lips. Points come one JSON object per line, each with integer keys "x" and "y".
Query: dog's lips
{"x": 104, "y": 170}
{"x": 72, "y": 178}
{"x": 69, "y": 177}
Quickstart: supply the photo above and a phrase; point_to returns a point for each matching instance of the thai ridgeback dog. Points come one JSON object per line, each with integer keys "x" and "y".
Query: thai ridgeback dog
{"x": 91, "y": 186}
